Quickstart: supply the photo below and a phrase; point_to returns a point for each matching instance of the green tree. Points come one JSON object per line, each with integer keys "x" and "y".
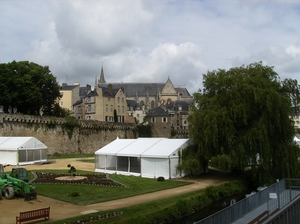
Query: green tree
{"x": 244, "y": 113}
{"x": 28, "y": 87}
{"x": 292, "y": 90}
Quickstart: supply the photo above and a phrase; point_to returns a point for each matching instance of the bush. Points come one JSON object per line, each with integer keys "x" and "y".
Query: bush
{"x": 160, "y": 179}
{"x": 74, "y": 194}
{"x": 212, "y": 192}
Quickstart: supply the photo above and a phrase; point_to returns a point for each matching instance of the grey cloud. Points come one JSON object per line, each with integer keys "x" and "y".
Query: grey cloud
{"x": 100, "y": 29}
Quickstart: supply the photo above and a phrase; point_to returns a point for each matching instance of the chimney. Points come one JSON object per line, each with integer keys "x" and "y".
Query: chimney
{"x": 88, "y": 88}
{"x": 110, "y": 89}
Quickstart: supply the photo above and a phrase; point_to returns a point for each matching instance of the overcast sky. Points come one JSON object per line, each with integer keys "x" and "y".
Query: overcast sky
{"x": 149, "y": 41}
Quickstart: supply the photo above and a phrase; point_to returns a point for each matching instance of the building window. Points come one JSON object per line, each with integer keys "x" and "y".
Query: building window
{"x": 164, "y": 119}
{"x": 106, "y": 107}
{"x": 89, "y": 107}
{"x": 122, "y": 99}
{"x": 122, "y": 109}
{"x": 118, "y": 99}
{"x": 61, "y": 104}
{"x": 108, "y": 99}
{"x": 111, "y": 108}
{"x": 118, "y": 109}
{"x": 153, "y": 119}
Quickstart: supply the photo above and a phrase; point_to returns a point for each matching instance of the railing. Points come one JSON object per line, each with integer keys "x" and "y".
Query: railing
{"x": 276, "y": 196}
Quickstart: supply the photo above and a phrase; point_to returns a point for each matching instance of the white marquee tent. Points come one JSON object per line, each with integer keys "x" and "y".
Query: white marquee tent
{"x": 22, "y": 150}
{"x": 145, "y": 157}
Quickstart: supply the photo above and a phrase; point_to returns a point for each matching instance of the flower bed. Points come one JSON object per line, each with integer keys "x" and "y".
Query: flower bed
{"x": 90, "y": 179}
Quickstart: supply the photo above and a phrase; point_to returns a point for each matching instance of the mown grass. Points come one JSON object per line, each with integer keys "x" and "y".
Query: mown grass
{"x": 89, "y": 194}
{"x": 158, "y": 211}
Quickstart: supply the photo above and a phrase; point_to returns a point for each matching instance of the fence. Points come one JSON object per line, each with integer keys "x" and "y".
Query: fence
{"x": 275, "y": 196}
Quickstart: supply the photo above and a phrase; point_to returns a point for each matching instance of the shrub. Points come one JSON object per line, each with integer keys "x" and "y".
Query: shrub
{"x": 160, "y": 179}
{"x": 182, "y": 207}
{"x": 212, "y": 192}
{"x": 74, "y": 194}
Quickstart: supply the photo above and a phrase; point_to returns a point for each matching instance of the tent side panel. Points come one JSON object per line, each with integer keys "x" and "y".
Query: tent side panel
{"x": 135, "y": 165}
{"x": 111, "y": 162}
{"x": 99, "y": 161}
{"x": 147, "y": 167}
{"x": 162, "y": 168}
{"x": 122, "y": 163}
{"x": 22, "y": 156}
{"x": 155, "y": 167}
{"x": 9, "y": 157}
{"x": 44, "y": 154}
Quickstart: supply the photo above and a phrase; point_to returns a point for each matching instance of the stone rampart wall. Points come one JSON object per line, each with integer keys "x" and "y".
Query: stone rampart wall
{"x": 64, "y": 136}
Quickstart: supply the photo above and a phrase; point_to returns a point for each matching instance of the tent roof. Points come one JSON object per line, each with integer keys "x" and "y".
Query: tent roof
{"x": 142, "y": 147}
{"x": 165, "y": 148}
{"x": 20, "y": 143}
{"x": 115, "y": 146}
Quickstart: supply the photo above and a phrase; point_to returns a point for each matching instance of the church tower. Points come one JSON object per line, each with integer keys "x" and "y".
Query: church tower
{"x": 102, "y": 79}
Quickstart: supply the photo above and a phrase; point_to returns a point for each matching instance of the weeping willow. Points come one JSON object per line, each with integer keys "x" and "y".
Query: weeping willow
{"x": 244, "y": 113}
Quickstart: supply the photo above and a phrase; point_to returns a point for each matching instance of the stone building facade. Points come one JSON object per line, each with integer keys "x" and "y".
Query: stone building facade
{"x": 102, "y": 104}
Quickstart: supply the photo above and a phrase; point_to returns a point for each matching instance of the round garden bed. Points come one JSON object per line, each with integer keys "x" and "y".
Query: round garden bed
{"x": 86, "y": 179}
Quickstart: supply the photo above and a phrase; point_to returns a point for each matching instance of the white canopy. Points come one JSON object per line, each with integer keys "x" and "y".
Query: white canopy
{"x": 147, "y": 157}
{"x": 22, "y": 150}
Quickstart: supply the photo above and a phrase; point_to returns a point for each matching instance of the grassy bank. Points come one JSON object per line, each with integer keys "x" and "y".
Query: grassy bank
{"x": 164, "y": 209}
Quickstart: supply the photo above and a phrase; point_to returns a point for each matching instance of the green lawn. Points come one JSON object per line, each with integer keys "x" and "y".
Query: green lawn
{"x": 94, "y": 194}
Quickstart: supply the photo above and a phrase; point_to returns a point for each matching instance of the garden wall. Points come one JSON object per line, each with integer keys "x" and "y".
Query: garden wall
{"x": 65, "y": 136}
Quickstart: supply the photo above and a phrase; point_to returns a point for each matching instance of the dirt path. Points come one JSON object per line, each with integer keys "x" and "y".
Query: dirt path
{"x": 61, "y": 210}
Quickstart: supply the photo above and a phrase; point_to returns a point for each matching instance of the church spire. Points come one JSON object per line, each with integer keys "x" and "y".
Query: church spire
{"x": 102, "y": 79}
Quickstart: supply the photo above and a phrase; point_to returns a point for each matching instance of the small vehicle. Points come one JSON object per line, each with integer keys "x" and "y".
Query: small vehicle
{"x": 16, "y": 183}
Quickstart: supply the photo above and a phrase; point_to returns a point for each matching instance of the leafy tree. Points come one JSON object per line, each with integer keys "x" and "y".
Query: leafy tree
{"x": 244, "y": 113}
{"x": 292, "y": 90}
{"x": 28, "y": 87}
{"x": 191, "y": 162}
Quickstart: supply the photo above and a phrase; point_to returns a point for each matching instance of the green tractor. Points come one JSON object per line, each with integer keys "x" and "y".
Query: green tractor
{"x": 16, "y": 183}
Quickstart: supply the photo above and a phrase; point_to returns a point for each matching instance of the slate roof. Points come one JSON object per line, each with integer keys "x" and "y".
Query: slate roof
{"x": 158, "y": 111}
{"x": 68, "y": 87}
{"x": 106, "y": 93}
{"x": 182, "y": 103}
{"x": 133, "y": 104}
{"x": 143, "y": 88}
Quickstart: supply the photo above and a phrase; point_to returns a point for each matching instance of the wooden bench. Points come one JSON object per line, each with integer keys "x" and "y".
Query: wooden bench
{"x": 32, "y": 215}
{"x": 260, "y": 218}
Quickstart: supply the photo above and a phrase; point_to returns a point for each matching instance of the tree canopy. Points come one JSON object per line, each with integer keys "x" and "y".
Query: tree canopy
{"x": 28, "y": 87}
{"x": 244, "y": 113}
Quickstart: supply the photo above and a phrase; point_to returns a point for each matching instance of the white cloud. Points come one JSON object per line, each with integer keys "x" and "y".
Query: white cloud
{"x": 149, "y": 41}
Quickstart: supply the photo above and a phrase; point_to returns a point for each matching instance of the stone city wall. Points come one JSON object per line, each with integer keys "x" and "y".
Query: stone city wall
{"x": 65, "y": 136}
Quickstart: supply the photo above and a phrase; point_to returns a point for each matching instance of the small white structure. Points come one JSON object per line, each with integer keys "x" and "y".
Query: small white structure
{"x": 297, "y": 140}
{"x": 145, "y": 157}
{"x": 22, "y": 150}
